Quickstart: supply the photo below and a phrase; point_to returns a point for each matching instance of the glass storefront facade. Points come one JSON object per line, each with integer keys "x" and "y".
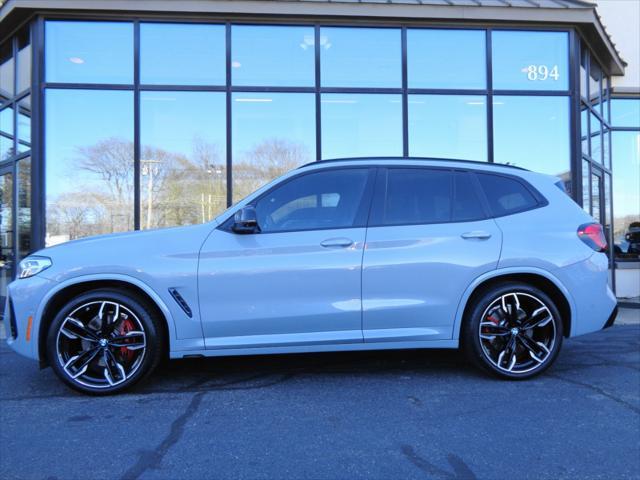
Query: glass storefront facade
{"x": 145, "y": 124}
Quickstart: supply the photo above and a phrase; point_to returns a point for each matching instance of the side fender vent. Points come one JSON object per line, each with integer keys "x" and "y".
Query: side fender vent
{"x": 181, "y": 301}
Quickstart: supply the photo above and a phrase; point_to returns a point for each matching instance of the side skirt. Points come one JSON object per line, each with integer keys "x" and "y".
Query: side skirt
{"x": 345, "y": 347}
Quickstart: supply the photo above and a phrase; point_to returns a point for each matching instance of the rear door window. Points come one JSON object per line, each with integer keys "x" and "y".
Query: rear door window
{"x": 506, "y": 195}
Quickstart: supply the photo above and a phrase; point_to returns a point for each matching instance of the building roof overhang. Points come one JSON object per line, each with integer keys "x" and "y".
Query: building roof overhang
{"x": 577, "y": 13}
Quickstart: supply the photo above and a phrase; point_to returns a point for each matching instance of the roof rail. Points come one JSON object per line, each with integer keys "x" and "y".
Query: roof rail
{"x": 426, "y": 159}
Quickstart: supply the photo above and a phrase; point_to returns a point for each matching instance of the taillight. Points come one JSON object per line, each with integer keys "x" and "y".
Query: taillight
{"x": 593, "y": 235}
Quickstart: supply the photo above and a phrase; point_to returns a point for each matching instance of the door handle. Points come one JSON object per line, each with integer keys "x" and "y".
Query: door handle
{"x": 337, "y": 242}
{"x": 476, "y": 234}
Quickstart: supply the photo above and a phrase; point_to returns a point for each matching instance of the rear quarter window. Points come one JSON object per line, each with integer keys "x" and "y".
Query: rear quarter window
{"x": 506, "y": 195}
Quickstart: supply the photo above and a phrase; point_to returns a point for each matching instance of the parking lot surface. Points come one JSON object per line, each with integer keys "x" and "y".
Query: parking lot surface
{"x": 409, "y": 414}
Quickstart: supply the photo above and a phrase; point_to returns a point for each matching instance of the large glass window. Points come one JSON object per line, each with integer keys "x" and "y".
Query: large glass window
{"x": 272, "y": 56}
{"x": 532, "y": 132}
{"x": 183, "y": 174}
{"x": 596, "y": 139}
{"x": 272, "y": 133}
{"x": 626, "y": 194}
{"x": 89, "y": 52}
{"x": 6, "y": 133}
{"x": 89, "y": 159}
{"x": 321, "y": 200}
{"x": 446, "y": 58}
{"x": 360, "y": 57}
{"x": 625, "y": 112}
{"x": 182, "y": 54}
{"x": 24, "y": 61}
{"x": 530, "y": 60}
{"x": 448, "y": 126}
{"x": 361, "y": 125}
{"x": 24, "y": 124}
{"x": 7, "y": 66}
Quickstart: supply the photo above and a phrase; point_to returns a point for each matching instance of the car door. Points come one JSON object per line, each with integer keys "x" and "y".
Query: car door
{"x": 297, "y": 281}
{"x": 429, "y": 237}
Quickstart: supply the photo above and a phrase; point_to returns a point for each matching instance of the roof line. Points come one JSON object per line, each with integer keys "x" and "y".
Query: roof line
{"x": 425, "y": 159}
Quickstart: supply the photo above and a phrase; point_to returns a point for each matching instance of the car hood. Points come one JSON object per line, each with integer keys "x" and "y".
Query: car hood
{"x": 131, "y": 253}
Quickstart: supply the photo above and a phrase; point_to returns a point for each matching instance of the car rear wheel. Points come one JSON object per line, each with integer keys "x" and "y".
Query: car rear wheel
{"x": 513, "y": 330}
{"x": 104, "y": 341}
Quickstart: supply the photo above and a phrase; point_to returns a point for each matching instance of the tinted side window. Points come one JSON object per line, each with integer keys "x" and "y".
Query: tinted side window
{"x": 467, "y": 205}
{"x": 319, "y": 200}
{"x": 415, "y": 196}
{"x": 506, "y": 195}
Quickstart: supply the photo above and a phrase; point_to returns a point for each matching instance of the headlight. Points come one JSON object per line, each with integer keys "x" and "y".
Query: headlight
{"x": 31, "y": 266}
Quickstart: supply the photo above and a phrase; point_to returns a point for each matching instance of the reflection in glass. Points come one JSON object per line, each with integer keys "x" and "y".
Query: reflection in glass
{"x": 625, "y": 112}
{"x": 272, "y": 56}
{"x": 24, "y": 124}
{"x": 24, "y": 207}
{"x": 586, "y": 186}
{"x": 596, "y": 199}
{"x": 6, "y": 133}
{"x": 595, "y": 83}
{"x": 6, "y": 234}
{"x": 272, "y": 134}
{"x": 584, "y": 59}
{"x": 596, "y": 139}
{"x": 183, "y": 161}
{"x": 448, "y": 126}
{"x": 361, "y": 125}
{"x": 533, "y": 132}
{"x": 182, "y": 54}
{"x": 530, "y": 60}
{"x": 626, "y": 193}
{"x": 360, "y": 57}
{"x": 6, "y": 70}
{"x": 446, "y": 58}
{"x": 24, "y": 61}
{"x": 584, "y": 128}
{"x": 606, "y": 151}
{"x": 89, "y": 158}
{"x": 89, "y": 52}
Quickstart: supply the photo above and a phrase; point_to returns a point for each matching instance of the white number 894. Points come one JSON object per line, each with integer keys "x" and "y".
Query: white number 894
{"x": 542, "y": 72}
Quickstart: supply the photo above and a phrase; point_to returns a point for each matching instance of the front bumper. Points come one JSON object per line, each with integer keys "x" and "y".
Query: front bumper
{"x": 24, "y": 297}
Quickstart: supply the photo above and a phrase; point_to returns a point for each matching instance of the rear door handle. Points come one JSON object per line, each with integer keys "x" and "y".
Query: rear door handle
{"x": 477, "y": 234}
{"x": 337, "y": 242}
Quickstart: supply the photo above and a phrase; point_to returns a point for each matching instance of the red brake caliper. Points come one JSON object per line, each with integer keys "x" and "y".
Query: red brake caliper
{"x": 492, "y": 319}
{"x": 126, "y": 326}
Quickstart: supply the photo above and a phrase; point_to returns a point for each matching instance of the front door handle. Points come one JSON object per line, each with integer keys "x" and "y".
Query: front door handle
{"x": 337, "y": 242}
{"x": 476, "y": 234}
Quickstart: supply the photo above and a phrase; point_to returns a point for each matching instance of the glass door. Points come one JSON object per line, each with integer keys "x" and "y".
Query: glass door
{"x": 7, "y": 229}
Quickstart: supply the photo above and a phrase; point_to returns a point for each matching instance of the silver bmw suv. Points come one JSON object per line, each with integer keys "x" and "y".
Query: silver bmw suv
{"x": 354, "y": 254}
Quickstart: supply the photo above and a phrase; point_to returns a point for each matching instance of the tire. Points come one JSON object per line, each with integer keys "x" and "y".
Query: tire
{"x": 104, "y": 341}
{"x": 521, "y": 332}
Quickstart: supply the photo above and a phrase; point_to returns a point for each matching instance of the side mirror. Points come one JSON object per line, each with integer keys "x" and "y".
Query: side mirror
{"x": 246, "y": 221}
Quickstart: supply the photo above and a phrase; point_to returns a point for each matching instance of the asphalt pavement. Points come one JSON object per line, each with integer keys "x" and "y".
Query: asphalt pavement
{"x": 405, "y": 414}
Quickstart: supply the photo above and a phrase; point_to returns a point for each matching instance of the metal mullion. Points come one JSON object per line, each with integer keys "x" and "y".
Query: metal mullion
{"x": 534, "y": 93}
{"x": 89, "y": 86}
{"x": 182, "y": 88}
{"x": 489, "y": 94}
{"x": 575, "y": 133}
{"x": 318, "y": 98}
{"x": 228, "y": 114}
{"x": 137, "y": 149}
{"x": 38, "y": 134}
{"x": 360, "y": 90}
{"x": 405, "y": 95}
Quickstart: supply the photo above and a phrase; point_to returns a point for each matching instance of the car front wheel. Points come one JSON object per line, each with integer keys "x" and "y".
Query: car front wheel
{"x": 104, "y": 341}
{"x": 513, "y": 330}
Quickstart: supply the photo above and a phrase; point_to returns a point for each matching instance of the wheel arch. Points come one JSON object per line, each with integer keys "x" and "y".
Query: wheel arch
{"x": 541, "y": 279}
{"x": 58, "y": 297}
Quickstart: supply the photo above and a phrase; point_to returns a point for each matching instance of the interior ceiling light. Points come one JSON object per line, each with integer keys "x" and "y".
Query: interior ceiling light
{"x": 236, "y": 64}
{"x": 308, "y": 41}
{"x": 76, "y": 60}
{"x": 254, "y": 100}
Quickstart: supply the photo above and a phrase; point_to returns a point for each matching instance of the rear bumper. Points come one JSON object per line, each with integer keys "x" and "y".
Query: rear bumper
{"x": 612, "y": 318}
